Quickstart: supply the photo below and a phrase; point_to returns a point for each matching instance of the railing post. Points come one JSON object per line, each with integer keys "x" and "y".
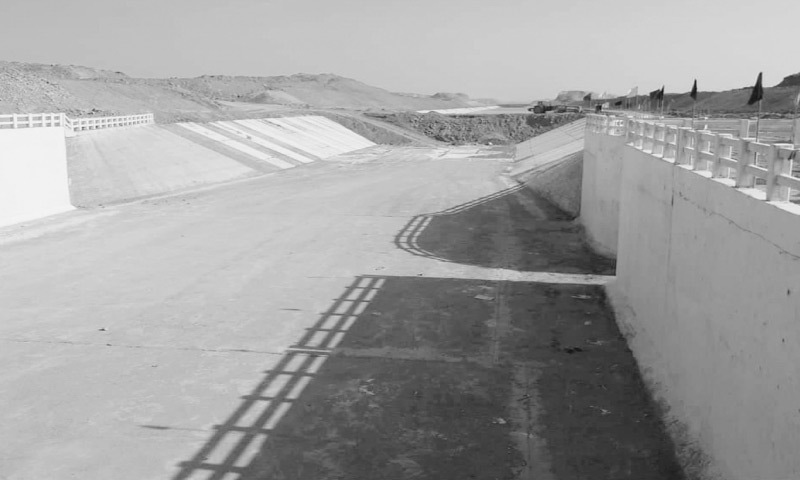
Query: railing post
{"x": 657, "y": 139}
{"x": 744, "y": 179}
{"x": 698, "y": 140}
{"x": 744, "y": 128}
{"x": 716, "y": 164}
{"x": 680, "y": 134}
{"x": 775, "y": 167}
{"x": 795, "y": 132}
{"x": 642, "y": 134}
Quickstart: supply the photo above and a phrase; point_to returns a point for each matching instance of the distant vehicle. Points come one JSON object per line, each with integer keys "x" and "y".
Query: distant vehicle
{"x": 542, "y": 107}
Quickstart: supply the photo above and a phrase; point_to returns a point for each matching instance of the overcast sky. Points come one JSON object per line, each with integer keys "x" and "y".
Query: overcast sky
{"x": 506, "y": 49}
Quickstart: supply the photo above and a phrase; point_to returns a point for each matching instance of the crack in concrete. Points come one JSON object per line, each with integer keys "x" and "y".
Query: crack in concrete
{"x": 780, "y": 249}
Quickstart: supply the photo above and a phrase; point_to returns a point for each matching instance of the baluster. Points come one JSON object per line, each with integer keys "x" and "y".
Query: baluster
{"x": 744, "y": 179}
{"x": 776, "y": 166}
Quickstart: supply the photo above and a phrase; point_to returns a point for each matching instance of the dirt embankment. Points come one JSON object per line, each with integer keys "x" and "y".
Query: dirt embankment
{"x": 483, "y": 129}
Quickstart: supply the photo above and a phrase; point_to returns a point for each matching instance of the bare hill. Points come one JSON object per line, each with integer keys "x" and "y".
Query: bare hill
{"x": 77, "y": 90}
{"x": 320, "y": 91}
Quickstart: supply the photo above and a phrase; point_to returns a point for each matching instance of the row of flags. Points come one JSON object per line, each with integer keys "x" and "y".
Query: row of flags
{"x": 656, "y": 98}
{"x": 756, "y": 95}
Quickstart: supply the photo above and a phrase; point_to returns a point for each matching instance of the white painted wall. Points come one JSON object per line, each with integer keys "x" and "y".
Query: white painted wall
{"x": 33, "y": 174}
{"x": 602, "y": 171}
{"x": 708, "y": 292}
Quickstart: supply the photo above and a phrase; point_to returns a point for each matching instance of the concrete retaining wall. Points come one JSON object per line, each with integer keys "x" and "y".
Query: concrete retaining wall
{"x": 708, "y": 292}
{"x": 559, "y": 182}
{"x": 602, "y": 171}
{"x": 33, "y": 174}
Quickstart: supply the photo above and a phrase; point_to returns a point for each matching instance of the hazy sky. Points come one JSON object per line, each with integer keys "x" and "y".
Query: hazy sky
{"x": 506, "y": 49}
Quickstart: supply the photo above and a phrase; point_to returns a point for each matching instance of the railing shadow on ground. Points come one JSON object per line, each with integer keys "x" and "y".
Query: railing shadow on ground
{"x": 234, "y": 442}
{"x": 409, "y": 377}
{"x": 549, "y": 237}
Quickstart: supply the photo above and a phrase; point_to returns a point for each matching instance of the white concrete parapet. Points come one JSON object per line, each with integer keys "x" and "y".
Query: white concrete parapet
{"x": 712, "y": 153}
{"x": 38, "y": 120}
{"x": 97, "y": 123}
{"x": 32, "y": 120}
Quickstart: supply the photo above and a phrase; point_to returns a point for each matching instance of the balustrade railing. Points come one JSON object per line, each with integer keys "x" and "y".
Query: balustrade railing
{"x": 32, "y": 120}
{"x": 745, "y": 162}
{"x": 96, "y": 123}
{"x": 37, "y": 120}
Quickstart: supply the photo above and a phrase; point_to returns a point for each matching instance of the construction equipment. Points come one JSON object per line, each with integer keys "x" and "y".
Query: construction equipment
{"x": 543, "y": 107}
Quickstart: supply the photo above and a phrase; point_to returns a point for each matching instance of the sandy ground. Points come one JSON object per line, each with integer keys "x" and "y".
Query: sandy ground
{"x": 410, "y": 316}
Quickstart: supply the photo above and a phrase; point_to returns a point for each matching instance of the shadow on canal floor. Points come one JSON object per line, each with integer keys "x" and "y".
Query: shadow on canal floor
{"x": 414, "y": 378}
{"x": 550, "y": 239}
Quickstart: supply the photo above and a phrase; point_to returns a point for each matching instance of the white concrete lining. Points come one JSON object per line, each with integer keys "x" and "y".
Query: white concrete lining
{"x": 327, "y": 149}
{"x": 234, "y": 129}
{"x": 259, "y": 155}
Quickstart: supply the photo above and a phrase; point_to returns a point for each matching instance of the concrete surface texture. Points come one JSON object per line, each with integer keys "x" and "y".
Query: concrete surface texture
{"x": 549, "y": 147}
{"x": 707, "y": 294}
{"x": 33, "y": 174}
{"x": 122, "y": 164}
{"x": 602, "y": 174}
{"x": 393, "y": 314}
{"x": 558, "y": 182}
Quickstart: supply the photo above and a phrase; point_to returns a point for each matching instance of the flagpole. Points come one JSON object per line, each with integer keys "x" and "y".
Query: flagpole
{"x": 758, "y": 119}
{"x": 794, "y": 119}
{"x": 694, "y": 103}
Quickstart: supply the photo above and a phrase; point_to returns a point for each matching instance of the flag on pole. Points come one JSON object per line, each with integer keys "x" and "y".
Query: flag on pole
{"x": 694, "y": 90}
{"x": 633, "y": 92}
{"x": 654, "y": 94}
{"x": 660, "y": 93}
{"x": 758, "y": 91}
{"x": 588, "y": 97}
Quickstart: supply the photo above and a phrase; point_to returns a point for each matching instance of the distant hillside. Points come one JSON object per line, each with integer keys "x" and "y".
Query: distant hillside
{"x": 320, "y": 91}
{"x": 77, "y": 90}
{"x": 778, "y": 99}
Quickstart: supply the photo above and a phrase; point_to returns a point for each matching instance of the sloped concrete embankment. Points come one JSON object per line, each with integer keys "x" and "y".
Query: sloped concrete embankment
{"x": 33, "y": 174}
{"x": 552, "y": 165}
{"x": 118, "y": 165}
{"x": 707, "y": 294}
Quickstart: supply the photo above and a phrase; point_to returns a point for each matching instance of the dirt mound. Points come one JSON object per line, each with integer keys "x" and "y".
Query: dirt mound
{"x": 483, "y": 129}
{"x": 22, "y": 91}
{"x": 61, "y": 72}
